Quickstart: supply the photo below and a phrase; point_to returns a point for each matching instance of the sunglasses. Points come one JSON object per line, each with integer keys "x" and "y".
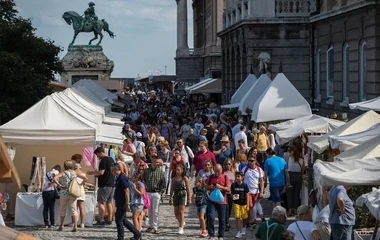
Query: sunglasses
{"x": 251, "y": 160}
{"x": 228, "y": 164}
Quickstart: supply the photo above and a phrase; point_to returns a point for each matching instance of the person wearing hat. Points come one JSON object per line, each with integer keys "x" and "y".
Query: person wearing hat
{"x": 139, "y": 144}
{"x": 273, "y": 228}
{"x": 304, "y": 228}
{"x": 225, "y": 151}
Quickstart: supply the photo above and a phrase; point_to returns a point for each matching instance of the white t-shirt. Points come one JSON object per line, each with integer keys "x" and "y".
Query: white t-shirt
{"x": 139, "y": 146}
{"x": 48, "y": 182}
{"x": 294, "y": 166}
{"x": 306, "y": 227}
{"x": 323, "y": 216}
{"x": 251, "y": 178}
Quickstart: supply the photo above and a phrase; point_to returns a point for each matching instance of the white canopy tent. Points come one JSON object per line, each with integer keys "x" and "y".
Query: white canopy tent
{"x": 371, "y": 201}
{"x": 89, "y": 96}
{"x": 289, "y": 124}
{"x": 315, "y": 124}
{"x": 367, "y": 150}
{"x": 356, "y": 125}
{"x": 241, "y": 92}
{"x": 212, "y": 86}
{"x": 280, "y": 101}
{"x": 373, "y": 104}
{"x": 96, "y": 89}
{"x": 49, "y": 123}
{"x": 254, "y": 92}
{"x": 346, "y": 142}
{"x": 188, "y": 89}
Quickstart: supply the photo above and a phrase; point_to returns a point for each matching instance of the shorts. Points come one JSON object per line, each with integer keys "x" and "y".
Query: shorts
{"x": 137, "y": 208}
{"x": 68, "y": 201}
{"x": 202, "y": 209}
{"x": 275, "y": 194}
{"x": 179, "y": 199}
{"x": 105, "y": 194}
{"x": 241, "y": 211}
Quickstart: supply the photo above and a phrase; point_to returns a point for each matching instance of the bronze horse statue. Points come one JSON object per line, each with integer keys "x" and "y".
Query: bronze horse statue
{"x": 96, "y": 26}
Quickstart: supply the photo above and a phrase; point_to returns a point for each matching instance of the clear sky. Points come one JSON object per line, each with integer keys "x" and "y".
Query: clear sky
{"x": 145, "y": 30}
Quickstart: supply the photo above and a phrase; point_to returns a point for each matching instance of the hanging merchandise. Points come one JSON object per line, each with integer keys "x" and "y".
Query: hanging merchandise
{"x": 88, "y": 156}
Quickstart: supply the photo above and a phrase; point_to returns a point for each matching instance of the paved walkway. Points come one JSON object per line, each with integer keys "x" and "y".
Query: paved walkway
{"x": 168, "y": 228}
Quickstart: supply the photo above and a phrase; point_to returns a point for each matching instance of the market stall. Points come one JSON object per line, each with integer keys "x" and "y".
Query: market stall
{"x": 253, "y": 93}
{"x": 372, "y": 104}
{"x": 29, "y": 208}
{"x": 241, "y": 92}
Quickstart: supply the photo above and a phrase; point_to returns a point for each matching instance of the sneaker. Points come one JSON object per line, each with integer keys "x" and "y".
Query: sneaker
{"x": 108, "y": 222}
{"x": 99, "y": 224}
{"x": 82, "y": 225}
{"x": 243, "y": 230}
{"x": 146, "y": 222}
{"x": 239, "y": 235}
{"x": 180, "y": 231}
{"x": 204, "y": 233}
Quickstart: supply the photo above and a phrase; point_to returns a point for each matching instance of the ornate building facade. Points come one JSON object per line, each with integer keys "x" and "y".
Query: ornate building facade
{"x": 204, "y": 60}
{"x": 328, "y": 48}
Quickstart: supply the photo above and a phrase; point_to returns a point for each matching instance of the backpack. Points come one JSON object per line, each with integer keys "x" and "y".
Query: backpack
{"x": 258, "y": 169}
{"x": 74, "y": 187}
{"x": 200, "y": 197}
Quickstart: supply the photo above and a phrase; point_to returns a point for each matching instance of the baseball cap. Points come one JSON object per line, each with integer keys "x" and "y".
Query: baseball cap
{"x": 139, "y": 135}
{"x": 279, "y": 210}
{"x": 302, "y": 210}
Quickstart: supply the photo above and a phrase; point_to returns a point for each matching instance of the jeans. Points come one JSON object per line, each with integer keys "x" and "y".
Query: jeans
{"x": 48, "y": 199}
{"x": 122, "y": 221}
{"x": 221, "y": 210}
{"x": 229, "y": 207}
{"x": 341, "y": 232}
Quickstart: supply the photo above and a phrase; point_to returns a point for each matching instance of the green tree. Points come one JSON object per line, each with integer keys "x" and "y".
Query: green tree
{"x": 27, "y": 63}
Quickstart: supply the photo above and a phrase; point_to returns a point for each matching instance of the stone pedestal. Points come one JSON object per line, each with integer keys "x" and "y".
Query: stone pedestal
{"x": 85, "y": 62}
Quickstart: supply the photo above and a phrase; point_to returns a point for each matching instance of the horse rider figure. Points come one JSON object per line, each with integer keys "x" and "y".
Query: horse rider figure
{"x": 89, "y": 15}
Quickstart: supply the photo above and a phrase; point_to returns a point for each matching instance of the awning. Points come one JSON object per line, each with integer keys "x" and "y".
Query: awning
{"x": 211, "y": 86}
{"x": 232, "y": 105}
{"x": 373, "y": 104}
{"x": 188, "y": 89}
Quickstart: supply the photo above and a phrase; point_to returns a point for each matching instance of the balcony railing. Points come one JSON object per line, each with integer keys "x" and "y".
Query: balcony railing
{"x": 294, "y": 8}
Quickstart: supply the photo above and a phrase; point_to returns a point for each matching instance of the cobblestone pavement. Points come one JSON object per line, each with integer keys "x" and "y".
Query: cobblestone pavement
{"x": 168, "y": 228}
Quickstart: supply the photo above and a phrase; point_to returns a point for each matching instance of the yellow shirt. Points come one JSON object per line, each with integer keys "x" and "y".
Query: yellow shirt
{"x": 262, "y": 145}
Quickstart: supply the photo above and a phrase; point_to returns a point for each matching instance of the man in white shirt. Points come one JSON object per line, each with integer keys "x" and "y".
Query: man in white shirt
{"x": 254, "y": 178}
{"x": 237, "y": 127}
{"x": 186, "y": 153}
{"x": 139, "y": 144}
{"x": 241, "y": 135}
{"x": 304, "y": 229}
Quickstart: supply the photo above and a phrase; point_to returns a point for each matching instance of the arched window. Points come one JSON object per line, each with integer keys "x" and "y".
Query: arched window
{"x": 346, "y": 73}
{"x": 363, "y": 71}
{"x": 318, "y": 76}
{"x": 330, "y": 74}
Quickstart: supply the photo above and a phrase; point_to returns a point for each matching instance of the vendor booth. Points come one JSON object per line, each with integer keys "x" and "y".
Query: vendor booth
{"x": 280, "y": 101}
{"x": 372, "y": 202}
{"x": 359, "y": 124}
{"x": 241, "y": 92}
{"x": 373, "y": 104}
{"x": 254, "y": 92}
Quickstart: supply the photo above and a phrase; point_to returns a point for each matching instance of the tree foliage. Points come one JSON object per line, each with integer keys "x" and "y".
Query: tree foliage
{"x": 27, "y": 63}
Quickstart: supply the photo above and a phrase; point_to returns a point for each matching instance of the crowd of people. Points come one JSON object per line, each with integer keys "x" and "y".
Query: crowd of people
{"x": 192, "y": 152}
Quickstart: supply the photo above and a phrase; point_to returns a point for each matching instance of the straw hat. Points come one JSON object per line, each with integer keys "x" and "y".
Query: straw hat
{"x": 225, "y": 139}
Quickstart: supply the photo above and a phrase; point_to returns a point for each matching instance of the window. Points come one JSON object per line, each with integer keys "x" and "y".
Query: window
{"x": 247, "y": 13}
{"x": 330, "y": 75}
{"x": 346, "y": 74}
{"x": 318, "y": 76}
{"x": 363, "y": 71}
{"x": 239, "y": 16}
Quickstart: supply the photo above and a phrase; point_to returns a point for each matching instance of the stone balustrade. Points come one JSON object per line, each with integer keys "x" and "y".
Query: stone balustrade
{"x": 294, "y": 8}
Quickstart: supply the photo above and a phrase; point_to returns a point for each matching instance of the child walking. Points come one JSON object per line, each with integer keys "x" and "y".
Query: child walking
{"x": 179, "y": 191}
{"x": 240, "y": 196}
{"x": 200, "y": 198}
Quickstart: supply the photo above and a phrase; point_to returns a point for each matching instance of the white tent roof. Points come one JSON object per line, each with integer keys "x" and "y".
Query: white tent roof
{"x": 77, "y": 96}
{"x": 289, "y": 124}
{"x": 47, "y": 122}
{"x": 188, "y": 89}
{"x": 372, "y": 201}
{"x": 358, "y": 124}
{"x": 369, "y": 149}
{"x": 110, "y": 135}
{"x": 96, "y": 89}
{"x": 241, "y": 91}
{"x": 346, "y": 142}
{"x": 254, "y": 92}
{"x": 373, "y": 104}
{"x": 315, "y": 124}
{"x": 211, "y": 86}
{"x": 280, "y": 101}
{"x": 356, "y": 172}
{"x": 89, "y": 96}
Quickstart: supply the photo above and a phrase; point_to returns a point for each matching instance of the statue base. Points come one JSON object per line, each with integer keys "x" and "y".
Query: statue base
{"x": 85, "y": 62}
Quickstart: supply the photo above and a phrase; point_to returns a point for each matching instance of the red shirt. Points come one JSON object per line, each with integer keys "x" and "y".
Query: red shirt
{"x": 222, "y": 180}
{"x": 175, "y": 162}
{"x": 200, "y": 159}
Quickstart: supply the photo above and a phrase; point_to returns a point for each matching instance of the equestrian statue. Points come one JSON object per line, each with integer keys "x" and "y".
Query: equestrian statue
{"x": 88, "y": 22}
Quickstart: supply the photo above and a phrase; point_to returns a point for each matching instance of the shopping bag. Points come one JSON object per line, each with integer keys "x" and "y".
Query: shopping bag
{"x": 216, "y": 196}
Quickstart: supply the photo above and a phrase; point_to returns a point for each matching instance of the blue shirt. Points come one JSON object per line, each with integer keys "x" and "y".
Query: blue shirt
{"x": 122, "y": 183}
{"x": 275, "y": 167}
{"x": 348, "y": 217}
{"x": 221, "y": 157}
{"x": 136, "y": 199}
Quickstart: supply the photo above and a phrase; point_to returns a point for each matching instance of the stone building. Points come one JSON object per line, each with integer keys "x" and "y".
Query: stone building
{"x": 321, "y": 43}
{"x": 204, "y": 60}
